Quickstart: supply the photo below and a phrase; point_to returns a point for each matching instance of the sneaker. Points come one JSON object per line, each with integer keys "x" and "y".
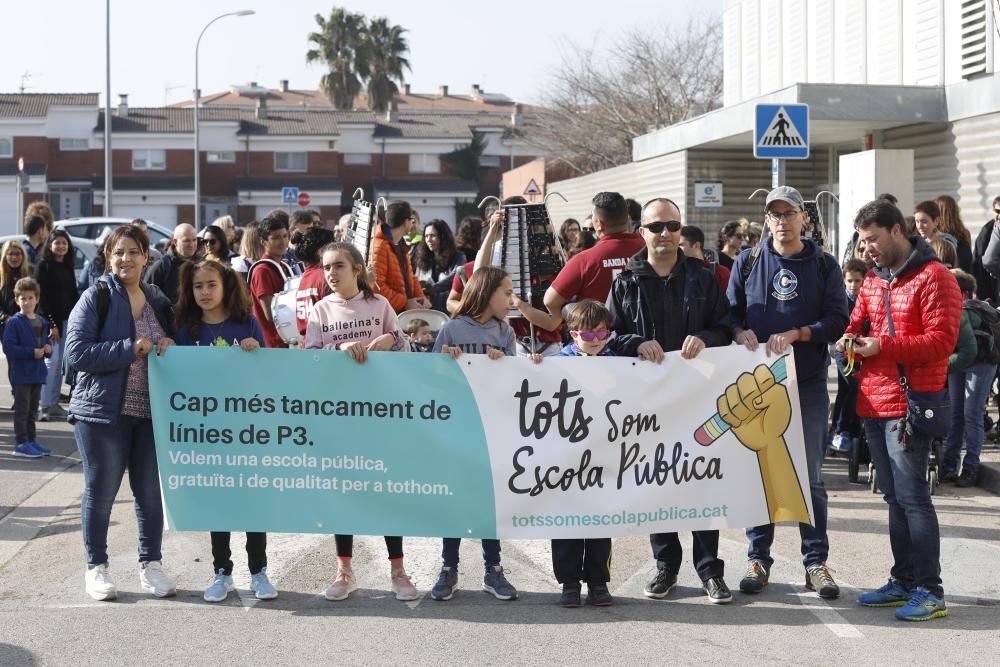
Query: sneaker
{"x": 717, "y": 591}
{"x": 496, "y": 583}
{"x": 966, "y": 479}
{"x": 446, "y": 585}
{"x": 43, "y": 415}
{"x": 403, "y": 587}
{"x": 841, "y": 442}
{"x": 44, "y": 450}
{"x": 756, "y": 577}
{"x": 570, "y": 597}
{"x": 345, "y": 584}
{"x": 28, "y": 451}
{"x": 660, "y": 586}
{"x": 99, "y": 584}
{"x": 262, "y": 587}
{"x": 948, "y": 476}
{"x": 155, "y": 580}
{"x": 220, "y": 587}
{"x": 599, "y": 595}
{"x": 819, "y": 579}
{"x": 922, "y": 606}
{"x": 891, "y": 594}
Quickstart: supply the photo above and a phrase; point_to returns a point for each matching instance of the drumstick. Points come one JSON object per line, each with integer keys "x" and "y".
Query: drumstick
{"x": 716, "y": 426}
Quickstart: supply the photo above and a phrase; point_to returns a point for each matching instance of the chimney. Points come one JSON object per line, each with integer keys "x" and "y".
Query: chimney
{"x": 443, "y": 91}
{"x": 283, "y": 84}
{"x": 515, "y": 115}
{"x": 261, "y": 111}
{"x": 392, "y": 113}
{"x": 406, "y": 89}
{"x": 476, "y": 90}
{"x": 123, "y": 105}
{"x": 252, "y": 84}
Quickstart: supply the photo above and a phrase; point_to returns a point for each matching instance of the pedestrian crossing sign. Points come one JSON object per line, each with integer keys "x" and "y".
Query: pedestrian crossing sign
{"x": 781, "y": 131}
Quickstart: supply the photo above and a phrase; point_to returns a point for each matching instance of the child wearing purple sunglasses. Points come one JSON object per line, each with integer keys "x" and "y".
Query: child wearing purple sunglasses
{"x": 588, "y": 559}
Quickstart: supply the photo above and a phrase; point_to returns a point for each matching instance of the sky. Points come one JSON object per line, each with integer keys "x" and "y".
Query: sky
{"x": 507, "y": 47}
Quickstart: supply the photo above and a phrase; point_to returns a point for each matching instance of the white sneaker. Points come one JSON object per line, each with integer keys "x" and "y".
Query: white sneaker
{"x": 154, "y": 580}
{"x": 403, "y": 586}
{"x": 99, "y": 583}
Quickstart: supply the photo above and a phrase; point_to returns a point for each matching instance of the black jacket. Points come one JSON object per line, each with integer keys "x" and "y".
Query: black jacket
{"x": 165, "y": 273}
{"x": 987, "y": 287}
{"x": 57, "y": 283}
{"x": 703, "y": 310}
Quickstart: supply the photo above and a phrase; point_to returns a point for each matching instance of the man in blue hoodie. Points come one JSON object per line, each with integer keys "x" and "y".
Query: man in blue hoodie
{"x": 784, "y": 292}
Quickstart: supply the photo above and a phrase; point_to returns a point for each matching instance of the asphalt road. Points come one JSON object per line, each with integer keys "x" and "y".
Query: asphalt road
{"x": 46, "y": 618}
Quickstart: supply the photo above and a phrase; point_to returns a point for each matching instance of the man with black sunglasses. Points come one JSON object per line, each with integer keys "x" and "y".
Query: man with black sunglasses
{"x": 165, "y": 272}
{"x": 789, "y": 294}
{"x": 664, "y": 301}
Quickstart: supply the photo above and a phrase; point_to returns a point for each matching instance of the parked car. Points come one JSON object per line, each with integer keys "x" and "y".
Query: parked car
{"x": 83, "y": 250}
{"x": 92, "y": 228}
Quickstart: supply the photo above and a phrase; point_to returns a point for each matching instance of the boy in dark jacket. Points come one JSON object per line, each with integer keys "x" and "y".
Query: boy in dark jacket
{"x": 26, "y": 344}
{"x": 661, "y": 302}
{"x": 587, "y": 559}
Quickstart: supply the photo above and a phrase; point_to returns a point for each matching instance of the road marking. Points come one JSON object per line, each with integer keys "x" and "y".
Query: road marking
{"x": 826, "y": 614}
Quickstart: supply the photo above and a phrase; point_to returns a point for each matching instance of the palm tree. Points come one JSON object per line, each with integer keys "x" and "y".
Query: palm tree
{"x": 340, "y": 45}
{"x": 385, "y": 50}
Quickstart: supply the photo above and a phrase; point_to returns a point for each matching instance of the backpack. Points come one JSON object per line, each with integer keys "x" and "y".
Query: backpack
{"x": 988, "y": 331}
{"x": 747, "y": 268}
{"x": 283, "y": 303}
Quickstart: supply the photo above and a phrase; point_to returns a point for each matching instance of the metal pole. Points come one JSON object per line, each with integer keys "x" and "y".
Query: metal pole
{"x": 19, "y": 201}
{"x": 197, "y": 101}
{"x": 107, "y": 109}
{"x": 777, "y": 172}
{"x": 197, "y": 140}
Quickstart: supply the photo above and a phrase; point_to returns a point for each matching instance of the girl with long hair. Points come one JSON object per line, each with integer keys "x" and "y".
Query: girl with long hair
{"x": 342, "y": 321}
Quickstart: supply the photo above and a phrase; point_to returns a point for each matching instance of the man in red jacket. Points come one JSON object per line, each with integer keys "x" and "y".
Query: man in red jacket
{"x": 926, "y": 306}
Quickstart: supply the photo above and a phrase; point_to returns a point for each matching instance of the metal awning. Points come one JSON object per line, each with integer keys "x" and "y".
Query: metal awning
{"x": 838, "y": 113}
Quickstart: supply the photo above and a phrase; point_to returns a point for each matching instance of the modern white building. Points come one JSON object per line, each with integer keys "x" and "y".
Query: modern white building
{"x": 920, "y": 75}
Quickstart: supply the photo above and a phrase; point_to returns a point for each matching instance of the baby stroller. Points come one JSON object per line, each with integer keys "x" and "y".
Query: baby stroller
{"x": 932, "y": 476}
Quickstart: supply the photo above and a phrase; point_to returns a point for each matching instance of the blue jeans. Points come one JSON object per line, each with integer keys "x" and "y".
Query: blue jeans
{"x": 814, "y": 403}
{"x": 53, "y": 374}
{"x": 913, "y": 525}
{"x": 449, "y": 552}
{"x": 969, "y": 390}
{"x": 107, "y": 451}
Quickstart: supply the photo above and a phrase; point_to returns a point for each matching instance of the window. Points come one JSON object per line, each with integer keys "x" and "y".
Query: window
{"x": 489, "y": 161}
{"x": 358, "y": 158}
{"x": 289, "y": 161}
{"x": 976, "y": 37}
{"x": 6, "y": 147}
{"x": 220, "y": 157}
{"x": 149, "y": 159}
{"x": 425, "y": 163}
{"x": 74, "y": 144}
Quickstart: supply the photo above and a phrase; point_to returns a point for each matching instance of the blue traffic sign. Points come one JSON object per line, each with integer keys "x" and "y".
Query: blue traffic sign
{"x": 781, "y": 131}
{"x": 289, "y": 195}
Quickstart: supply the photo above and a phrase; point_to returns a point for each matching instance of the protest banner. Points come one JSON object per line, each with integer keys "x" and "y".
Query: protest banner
{"x": 424, "y": 445}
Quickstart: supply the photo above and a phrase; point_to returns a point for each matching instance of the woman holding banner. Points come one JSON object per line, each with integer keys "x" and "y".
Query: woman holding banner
{"x": 113, "y": 328}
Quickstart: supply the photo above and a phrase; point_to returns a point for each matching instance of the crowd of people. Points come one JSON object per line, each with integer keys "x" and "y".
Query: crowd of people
{"x": 637, "y": 282}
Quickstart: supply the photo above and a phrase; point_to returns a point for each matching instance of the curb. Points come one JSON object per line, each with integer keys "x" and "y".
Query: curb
{"x": 988, "y": 477}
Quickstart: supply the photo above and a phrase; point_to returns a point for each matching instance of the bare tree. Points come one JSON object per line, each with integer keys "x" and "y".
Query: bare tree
{"x": 598, "y": 102}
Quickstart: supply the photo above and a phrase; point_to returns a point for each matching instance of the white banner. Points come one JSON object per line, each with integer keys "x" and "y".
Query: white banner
{"x": 601, "y": 447}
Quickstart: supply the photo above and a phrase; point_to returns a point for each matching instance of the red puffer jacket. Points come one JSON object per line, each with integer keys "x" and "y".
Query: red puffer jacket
{"x": 926, "y": 310}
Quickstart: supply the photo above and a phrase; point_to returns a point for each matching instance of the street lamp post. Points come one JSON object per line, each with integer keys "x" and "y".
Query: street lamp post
{"x": 197, "y": 99}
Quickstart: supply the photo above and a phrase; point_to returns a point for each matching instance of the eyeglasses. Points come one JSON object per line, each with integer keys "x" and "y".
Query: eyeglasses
{"x": 996, "y": 211}
{"x": 591, "y": 335}
{"x": 208, "y": 241}
{"x": 658, "y": 226}
{"x": 787, "y": 216}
